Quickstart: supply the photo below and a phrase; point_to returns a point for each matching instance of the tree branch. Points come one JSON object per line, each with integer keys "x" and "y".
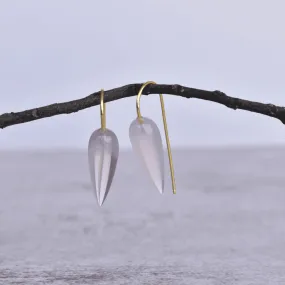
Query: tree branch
{"x": 9, "y": 119}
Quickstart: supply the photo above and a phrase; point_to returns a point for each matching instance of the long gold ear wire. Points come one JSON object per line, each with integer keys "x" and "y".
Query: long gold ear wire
{"x": 102, "y": 111}
{"x": 165, "y": 130}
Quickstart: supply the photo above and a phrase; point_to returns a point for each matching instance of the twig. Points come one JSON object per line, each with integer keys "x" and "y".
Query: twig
{"x": 9, "y": 119}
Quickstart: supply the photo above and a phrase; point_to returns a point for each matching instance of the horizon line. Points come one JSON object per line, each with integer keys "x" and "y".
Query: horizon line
{"x": 175, "y": 148}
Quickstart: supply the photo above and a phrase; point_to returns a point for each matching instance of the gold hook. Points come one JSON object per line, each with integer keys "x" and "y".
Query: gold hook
{"x": 165, "y": 129}
{"x": 102, "y": 111}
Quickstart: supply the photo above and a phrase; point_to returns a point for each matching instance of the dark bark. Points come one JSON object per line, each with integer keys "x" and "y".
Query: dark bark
{"x": 9, "y": 119}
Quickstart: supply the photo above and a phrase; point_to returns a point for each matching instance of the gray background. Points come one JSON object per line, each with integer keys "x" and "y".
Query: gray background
{"x": 54, "y": 51}
{"x": 225, "y": 226}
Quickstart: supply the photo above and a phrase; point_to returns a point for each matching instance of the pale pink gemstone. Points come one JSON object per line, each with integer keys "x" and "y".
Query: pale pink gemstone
{"x": 103, "y": 153}
{"x": 147, "y": 143}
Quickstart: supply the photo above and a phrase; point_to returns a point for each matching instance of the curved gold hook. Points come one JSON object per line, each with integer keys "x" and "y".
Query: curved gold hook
{"x": 102, "y": 110}
{"x": 165, "y": 130}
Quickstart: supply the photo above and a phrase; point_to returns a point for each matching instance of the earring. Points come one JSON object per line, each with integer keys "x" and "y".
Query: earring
{"x": 147, "y": 143}
{"x": 103, "y": 153}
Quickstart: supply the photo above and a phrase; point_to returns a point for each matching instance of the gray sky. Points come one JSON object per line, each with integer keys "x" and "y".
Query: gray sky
{"x": 54, "y": 51}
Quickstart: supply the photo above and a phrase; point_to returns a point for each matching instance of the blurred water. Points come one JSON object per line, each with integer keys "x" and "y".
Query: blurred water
{"x": 224, "y": 226}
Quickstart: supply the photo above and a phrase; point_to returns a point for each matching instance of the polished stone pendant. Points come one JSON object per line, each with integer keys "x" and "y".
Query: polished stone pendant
{"x": 147, "y": 144}
{"x": 103, "y": 153}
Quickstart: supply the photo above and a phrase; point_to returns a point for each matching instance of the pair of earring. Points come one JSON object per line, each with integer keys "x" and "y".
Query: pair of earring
{"x": 103, "y": 150}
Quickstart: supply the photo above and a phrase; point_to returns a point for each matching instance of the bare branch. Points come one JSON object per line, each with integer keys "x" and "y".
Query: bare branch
{"x": 9, "y": 119}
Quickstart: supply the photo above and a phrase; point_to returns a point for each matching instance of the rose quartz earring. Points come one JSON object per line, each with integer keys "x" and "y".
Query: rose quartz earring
{"x": 103, "y": 153}
{"x": 147, "y": 144}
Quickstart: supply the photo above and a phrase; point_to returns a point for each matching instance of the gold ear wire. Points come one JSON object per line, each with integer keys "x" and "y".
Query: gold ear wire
{"x": 165, "y": 130}
{"x": 102, "y": 110}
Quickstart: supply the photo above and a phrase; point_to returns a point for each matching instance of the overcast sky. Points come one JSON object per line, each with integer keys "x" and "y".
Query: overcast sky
{"x": 54, "y": 51}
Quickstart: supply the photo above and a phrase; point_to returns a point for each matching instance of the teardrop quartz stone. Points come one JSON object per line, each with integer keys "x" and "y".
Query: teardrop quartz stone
{"x": 103, "y": 153}
{"x": 147, "y": 143}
